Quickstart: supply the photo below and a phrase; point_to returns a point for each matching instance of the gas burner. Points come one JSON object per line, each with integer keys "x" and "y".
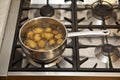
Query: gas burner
{"x": 102, "y": 52}
{"x": 102, "y": 10}
{"x": 36, "y": 63}
{"x": 102, "y": 13}
{"x": 97, "y": 21}
{"x": 47, "y": 11}
{"x": 36, "y": 13}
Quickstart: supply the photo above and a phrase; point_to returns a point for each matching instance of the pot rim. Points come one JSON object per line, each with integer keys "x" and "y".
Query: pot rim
{"x": 37, "y": 19}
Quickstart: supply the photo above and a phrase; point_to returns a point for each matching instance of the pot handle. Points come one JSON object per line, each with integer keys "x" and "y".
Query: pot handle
{"x": 89, "y": 33}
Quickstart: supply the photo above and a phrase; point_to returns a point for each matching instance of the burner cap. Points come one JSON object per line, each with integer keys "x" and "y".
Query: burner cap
{"x": 102, "y": 51}
{"x": 47, "y": 10}
{"x": 103, "y": 10}
{"x": 108, "y": 48}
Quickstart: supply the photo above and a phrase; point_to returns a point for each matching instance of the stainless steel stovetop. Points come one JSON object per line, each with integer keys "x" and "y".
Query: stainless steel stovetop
{"x": 79, "y": 57}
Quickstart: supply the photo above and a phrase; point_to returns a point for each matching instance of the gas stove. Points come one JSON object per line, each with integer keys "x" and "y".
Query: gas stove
{"x": 82, "y": 55}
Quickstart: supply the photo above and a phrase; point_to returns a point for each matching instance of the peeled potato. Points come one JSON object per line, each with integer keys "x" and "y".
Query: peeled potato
{"x": 30, "y": 34}
{"x": 31, "y": 43}
{"x": 41, "y": 43}
{"x": 59, "y": 41}
{"x": 37, "y": 37}
{"x": 58, "y": 36}
{"x": 47, "y": 36}
{"x": 51, "y": 42}
{"x": 37, "y": 30}
{"x": 55, "y": 32}
{"x": 48, "y": 29}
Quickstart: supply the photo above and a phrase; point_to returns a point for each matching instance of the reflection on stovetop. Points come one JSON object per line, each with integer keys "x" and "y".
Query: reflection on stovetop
{"x": 62, "y": 64}
{"x": 65, "y": 61}
{"x": 86, "y": 13}
{"x": 87, "y": 49}
{"x": 79, "y": 54}
{"x": 60, "y": 14}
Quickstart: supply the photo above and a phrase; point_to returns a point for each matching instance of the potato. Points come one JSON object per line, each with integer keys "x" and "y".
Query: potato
{"x": 59, "y": 41}
{"x": 51, "y": 42}
{"x": 58, "y": 36}
{"x": 36, "y": 37}
{"x": 41, "y": 43}
{"x": 48, "y": 29}
{"x": 47, "y": 36}
{"x": 38, "y": 30}
{"x": 30, "y": 34}
{"x": 55, "y": 32}
{"x": 31, "y": 43}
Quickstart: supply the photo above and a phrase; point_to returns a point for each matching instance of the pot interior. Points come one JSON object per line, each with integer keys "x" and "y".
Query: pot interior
{"x": 43, "y": 23}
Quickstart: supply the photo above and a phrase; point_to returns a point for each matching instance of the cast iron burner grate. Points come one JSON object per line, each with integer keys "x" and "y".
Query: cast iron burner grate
{"x": 74, "y": 60}
{"x": 106, "y": 51}
{"x": 18, "y": 57}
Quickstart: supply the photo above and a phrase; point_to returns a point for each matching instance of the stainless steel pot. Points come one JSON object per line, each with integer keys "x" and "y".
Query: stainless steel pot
{"x": 46, "y": 56}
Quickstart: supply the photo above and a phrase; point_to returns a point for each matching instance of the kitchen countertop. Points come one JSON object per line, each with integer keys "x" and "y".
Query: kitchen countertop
{"x": 9, "y": 14}
{"x": 4, "y": 9}
{"x": 57, "y": 78}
